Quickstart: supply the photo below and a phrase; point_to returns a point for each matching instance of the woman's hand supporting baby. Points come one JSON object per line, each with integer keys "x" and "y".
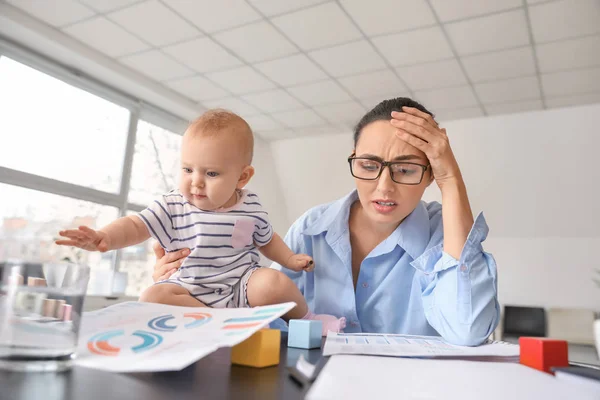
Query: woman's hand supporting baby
{"x": 167, "y": 264}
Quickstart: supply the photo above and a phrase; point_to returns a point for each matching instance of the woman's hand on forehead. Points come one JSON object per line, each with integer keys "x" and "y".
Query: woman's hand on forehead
{"x": 421, "y": 131}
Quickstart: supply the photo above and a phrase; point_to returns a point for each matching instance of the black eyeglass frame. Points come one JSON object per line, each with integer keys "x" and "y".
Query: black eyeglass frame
{"x": 388, "y": 164}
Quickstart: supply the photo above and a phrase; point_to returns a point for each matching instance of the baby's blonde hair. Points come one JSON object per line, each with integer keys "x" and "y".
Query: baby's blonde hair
{"x": 224, "y": 122}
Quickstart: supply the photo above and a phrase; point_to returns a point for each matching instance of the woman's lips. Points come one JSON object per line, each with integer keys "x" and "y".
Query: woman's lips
{"x": 384, "y": 206}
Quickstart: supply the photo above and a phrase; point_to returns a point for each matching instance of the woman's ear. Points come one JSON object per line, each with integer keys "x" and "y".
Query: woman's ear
{"x": 245, "y": 176}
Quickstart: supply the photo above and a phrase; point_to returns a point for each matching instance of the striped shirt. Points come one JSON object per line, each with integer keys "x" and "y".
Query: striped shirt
{"x": 223, "y": 243}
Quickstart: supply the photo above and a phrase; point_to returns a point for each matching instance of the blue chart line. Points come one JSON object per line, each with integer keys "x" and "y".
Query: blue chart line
{"x": 248, "y": 319}
{"x": 234, "y": 333}
{"x": 105, "y": 336}
{"x": 160, "y": 323}
{"x": 151, "y": 340}
{"x": 268, "y": 310}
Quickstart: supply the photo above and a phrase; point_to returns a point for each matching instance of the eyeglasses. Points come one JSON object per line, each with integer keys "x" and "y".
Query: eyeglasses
{"x": 405, "y": 173}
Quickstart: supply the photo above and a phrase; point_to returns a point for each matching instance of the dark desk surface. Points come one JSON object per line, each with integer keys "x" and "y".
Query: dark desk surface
{"x": 213, "y": 377}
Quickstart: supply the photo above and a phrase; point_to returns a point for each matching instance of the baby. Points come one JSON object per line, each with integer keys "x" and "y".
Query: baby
{"x": 220, "y": 222}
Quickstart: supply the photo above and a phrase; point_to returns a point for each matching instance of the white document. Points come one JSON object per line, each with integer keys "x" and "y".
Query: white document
{"x": 368, "y": 377}
{"x": 144, "y": 337}
{"x": 414, "y": 346}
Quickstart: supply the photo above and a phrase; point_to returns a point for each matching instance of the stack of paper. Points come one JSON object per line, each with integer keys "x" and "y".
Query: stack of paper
{"x": 416, "y": 346}
{"x": 365, "y": 377}
{"x": 585, "y": 378}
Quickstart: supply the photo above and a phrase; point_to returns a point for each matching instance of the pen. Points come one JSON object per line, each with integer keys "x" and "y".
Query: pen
{"x": 304, "y": 372}
{"x": 298, "y": 376}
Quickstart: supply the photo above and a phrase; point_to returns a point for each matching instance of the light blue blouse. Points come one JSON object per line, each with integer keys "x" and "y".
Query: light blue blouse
{"x": 407, "y": 284}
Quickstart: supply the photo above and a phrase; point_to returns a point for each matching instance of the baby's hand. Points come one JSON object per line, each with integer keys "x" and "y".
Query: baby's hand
{"x": 85, "y": 238}
{"x": 301, "y": 262}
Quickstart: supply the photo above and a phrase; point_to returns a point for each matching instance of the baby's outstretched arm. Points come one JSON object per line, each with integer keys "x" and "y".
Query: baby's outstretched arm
{"x": 123, "y": 232}
{"x": 276, "y": 250}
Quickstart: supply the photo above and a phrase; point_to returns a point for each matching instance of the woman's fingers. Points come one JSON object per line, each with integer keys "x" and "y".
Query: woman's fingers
{"x": 159, "y": 252}
{"x": 416, "y": 130}
{"x": 433, "y": 141}
{"x": 174, "y": 265}
{"x": 166, "y": 270}
{"x": 418, "y": 113}
{"x": 167, "y": 263}
{"x": 178, "y": 255}
{"x": 173, "y": 270}
{"x": 168, "y": 274}
{"x": 412, "y": 140}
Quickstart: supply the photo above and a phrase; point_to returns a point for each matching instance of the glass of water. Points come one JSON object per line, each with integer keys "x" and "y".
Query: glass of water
{"x": 40, "y": 314}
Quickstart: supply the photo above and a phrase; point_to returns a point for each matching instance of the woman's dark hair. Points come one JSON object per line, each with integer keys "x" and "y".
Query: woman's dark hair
{"x": 383, "y": 112}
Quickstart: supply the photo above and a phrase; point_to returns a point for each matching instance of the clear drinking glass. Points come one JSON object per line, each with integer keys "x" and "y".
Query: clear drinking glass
{"x": 40, "y": 314}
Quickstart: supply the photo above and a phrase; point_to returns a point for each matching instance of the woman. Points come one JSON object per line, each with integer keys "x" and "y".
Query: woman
{"x": 386, "y": 260}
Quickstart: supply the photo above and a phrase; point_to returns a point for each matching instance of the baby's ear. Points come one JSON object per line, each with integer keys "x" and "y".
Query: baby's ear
{"x": 245, "y": 176}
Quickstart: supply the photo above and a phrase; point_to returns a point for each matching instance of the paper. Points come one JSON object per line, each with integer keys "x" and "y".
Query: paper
{"x": 144, "y": 337}
{"x": 368, "y": 377}
{"x": 413, "y": 346}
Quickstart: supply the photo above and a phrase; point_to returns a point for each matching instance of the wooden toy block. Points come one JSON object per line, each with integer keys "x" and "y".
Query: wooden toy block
{"x": 305, "y": 334}
{"x": 543, "y": 354}
{"x": 259, "y": 350}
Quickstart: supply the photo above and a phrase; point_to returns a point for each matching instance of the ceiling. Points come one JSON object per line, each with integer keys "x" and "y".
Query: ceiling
{"x": 303, "y": 67}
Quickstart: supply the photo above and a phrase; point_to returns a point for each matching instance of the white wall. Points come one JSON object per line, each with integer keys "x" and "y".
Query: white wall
{"x": 313, "y": 170}
{"x": 536, "y": 177}
{"x": 266, "y": 184}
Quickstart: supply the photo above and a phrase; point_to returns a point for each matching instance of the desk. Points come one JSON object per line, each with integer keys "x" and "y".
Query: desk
{"x": 213, "y": 377}
{"x": 578, "y": 353}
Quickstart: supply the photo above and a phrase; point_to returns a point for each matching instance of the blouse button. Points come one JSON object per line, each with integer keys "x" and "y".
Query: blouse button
{"x": 365, "y": 285}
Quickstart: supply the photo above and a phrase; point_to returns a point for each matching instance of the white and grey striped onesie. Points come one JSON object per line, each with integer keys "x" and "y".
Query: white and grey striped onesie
{"x": 223, "y": 245}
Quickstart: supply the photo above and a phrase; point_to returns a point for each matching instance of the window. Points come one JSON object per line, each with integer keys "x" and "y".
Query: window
{"x": 137, "y": 264}
{"x": 59, "y": 131}
{"x": 61, "y": 143}
{"x": 155, "y": 171}
{"x": 155, "y": 163}
{"x": 30, "y": 221}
